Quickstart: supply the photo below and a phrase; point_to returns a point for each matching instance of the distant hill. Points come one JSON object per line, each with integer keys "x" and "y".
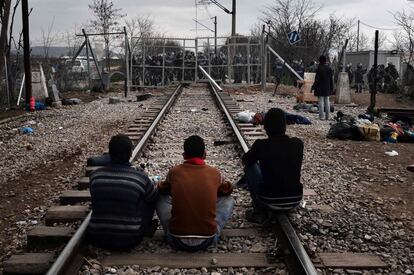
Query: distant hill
{"x": 54, "y": 52}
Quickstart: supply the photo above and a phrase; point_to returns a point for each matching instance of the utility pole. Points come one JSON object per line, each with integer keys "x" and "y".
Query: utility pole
{"x": 215, "y": 35}
{"x": 233, "y": 13}
{"x": 371, "y": 107}
{"x": 358, "y": 36}
{"x": 26, "y": 50}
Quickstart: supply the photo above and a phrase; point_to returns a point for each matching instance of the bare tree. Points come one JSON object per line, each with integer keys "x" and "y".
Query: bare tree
{"x": 317, "y": 36}
{"x": 353, "y": 41}
{"x": 106, "y": 20}
{"x": 141, "y": 27}
{"x": 48, "y": 39}
{"x": 405, "y": 43}
{"x": 5, "y": 6}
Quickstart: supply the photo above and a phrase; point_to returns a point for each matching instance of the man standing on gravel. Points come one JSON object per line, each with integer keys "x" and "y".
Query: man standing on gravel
{"x": 195, "y": 203}
{"x": 123, "y": 201}
{"x": 323, "y": 87}
{"x": 273, "y": 169}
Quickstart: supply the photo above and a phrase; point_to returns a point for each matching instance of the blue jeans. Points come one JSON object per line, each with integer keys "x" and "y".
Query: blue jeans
{"x": 254, "y": 179}
{"x": 103, "y": 160}
{"x": 224, "y": 209}
{"x": 324, "y": 107}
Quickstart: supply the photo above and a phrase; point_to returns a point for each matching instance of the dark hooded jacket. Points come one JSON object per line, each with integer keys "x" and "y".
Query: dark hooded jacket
{"x": 323, "y": 85}
{"x": 279, "y": 157}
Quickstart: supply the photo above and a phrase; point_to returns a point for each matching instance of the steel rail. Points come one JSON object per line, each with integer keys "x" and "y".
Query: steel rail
{"x": 303, "y": 264}
{"x": 63, "y": 262}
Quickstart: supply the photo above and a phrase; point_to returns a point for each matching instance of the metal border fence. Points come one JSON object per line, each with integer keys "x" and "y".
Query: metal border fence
{"x": 157, "y": 62}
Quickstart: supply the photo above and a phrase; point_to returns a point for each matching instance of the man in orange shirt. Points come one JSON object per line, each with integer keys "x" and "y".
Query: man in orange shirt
{"x": 195, "y": 203}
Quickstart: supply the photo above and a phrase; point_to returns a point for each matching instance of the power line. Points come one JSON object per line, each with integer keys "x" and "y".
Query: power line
{"x": 378, "y": 28}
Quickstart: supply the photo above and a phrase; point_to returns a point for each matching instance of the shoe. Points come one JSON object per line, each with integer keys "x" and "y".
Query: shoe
{"x": 152, "y": 227}
{"x": 242, "y": 183}
{"x": 256, "y": 216}
{"x": 410, "y": 168}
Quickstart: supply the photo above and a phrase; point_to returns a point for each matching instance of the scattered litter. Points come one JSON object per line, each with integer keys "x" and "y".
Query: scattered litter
{"x": 245, "y": 117}
{"x": 60, "y": 127}
{"x": 393, "y": 153}
{"x": 303, "y": 204}
{"x": 26, "y": 130}
{"x": 156, "y": 179}
{"x": 204, "y": 109}
{"x": 72, "y": 101}
{"x": 31, "y": 122}
{"x": 410, "y": 168}
{"x": 193, "y": 110}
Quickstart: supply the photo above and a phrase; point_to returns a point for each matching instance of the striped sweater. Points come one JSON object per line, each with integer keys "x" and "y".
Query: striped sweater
{"x": 121, "y": 198}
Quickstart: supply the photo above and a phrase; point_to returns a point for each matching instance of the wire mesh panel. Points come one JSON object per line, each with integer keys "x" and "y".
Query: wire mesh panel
{"x": 160, "y": 61}
{"x": 232, "y": 60}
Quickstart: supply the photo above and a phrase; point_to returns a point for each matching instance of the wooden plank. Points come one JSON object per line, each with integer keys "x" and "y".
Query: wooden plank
{"x": 90, "y": 169}
{"x": 47, "y": 237}
{"x": 188, "y": 260}
{"x": 309, "y": 192}
{"x": 137, "y": 129}
{"x": 252, "y": 133}
{"x": 322, "y": 208}
{"x": 244, "y": 125}
{"x": 29, "y": 263}
{"x": 63, "y": 214}
{"x": 74, "y": 196}
{"x": 351, "y": 260}
{"x": 83, "y": 183}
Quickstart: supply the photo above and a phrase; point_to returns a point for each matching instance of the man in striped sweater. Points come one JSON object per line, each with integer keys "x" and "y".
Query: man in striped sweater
{"x": 123, "y": 200}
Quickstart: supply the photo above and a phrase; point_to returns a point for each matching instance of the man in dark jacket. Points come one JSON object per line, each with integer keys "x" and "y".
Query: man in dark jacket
{"x": 273, "y": 169}
{"x": 323, "y": 87}
{"x": 123, "y": 200}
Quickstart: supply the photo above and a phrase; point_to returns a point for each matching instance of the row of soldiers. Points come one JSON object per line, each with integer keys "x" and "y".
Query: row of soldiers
{"x": 386, "y": 77}
{"x": 181, "y": 66}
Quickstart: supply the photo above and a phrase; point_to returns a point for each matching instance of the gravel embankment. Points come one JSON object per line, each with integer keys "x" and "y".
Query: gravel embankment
{"x": 372, "y": 194}
{"x": 36, "y": 168}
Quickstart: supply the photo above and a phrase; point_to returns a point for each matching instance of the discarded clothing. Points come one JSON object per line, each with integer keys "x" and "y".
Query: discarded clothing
{"x": 345, "y": 131}
{"x": 297, "y": 119}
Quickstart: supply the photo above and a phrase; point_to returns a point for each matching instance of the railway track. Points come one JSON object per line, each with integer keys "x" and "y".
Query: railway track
{"x": 244, "y": 248}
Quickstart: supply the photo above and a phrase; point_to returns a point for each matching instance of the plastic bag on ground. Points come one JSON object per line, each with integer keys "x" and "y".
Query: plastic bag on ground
{"x": 245, "y": 117}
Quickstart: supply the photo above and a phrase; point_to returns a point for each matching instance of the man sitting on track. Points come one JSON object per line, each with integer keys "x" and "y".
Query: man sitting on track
{"x": 273, "y": 169}
{"x": 123, "y": 200}
{"x": 195, "y": 202}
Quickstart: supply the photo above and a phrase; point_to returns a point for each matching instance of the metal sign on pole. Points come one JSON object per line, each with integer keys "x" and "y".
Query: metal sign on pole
{"x": 293, "y": 37}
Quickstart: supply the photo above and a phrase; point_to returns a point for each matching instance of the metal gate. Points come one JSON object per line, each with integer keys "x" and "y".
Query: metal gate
{"x": 157, "y": 62}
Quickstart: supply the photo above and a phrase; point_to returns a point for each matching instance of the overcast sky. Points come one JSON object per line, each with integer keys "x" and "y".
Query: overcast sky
{"x": 175, "y": 17}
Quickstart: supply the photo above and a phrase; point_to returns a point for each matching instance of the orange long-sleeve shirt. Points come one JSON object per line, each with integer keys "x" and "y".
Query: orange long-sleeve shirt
{"x": 194, "y": 190}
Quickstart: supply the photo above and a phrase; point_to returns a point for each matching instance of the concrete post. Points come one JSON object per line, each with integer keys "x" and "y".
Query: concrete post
{"x": 343, "y": 92}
